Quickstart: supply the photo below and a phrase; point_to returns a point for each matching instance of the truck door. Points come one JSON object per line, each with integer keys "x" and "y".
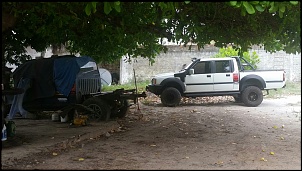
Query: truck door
{"x": 223, "y": 76}
{"x": 202, "y": 78}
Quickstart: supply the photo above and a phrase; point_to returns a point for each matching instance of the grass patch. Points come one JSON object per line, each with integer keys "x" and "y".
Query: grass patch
{"x": 141, "y": 86}
{"x": 292, "y": 88}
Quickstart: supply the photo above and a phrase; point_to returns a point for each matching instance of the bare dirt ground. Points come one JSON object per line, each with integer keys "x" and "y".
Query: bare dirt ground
{"x": 204, "y": 134}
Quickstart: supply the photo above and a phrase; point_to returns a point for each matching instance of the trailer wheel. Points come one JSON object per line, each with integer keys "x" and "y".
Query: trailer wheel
{"x": 100, "y": 107}
{"x": 252, "y": 96}
{"x": 170, "y": 97}
{"x": 122, "y": 110}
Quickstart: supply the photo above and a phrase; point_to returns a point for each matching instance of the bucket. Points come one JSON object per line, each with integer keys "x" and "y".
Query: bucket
{"x": 55, "y": 117}
{"x": 4, "y": 133}
{"x": 11, "y": 128}
{"x": 64, "y": 119}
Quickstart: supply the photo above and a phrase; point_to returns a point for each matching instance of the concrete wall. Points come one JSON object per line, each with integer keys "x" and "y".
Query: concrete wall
{"x": 176, "y": 56}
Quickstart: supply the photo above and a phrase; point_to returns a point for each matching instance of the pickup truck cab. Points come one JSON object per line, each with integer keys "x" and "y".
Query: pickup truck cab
{"x": 217, "y": 77}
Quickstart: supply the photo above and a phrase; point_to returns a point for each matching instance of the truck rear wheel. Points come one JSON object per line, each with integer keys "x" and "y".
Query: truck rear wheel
{"x": 100, "y": 107}
{"x": 170, "y": 97}
{"x": 121, "y": 111}
{"x": 252, "y": 96}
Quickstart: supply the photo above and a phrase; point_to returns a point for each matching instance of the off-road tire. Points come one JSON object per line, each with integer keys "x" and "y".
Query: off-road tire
{"x": 101, "y": 108}
{"x": 170, "y": 97}
{"x": 252, "y": 96}
{"x": 122, "y": 111}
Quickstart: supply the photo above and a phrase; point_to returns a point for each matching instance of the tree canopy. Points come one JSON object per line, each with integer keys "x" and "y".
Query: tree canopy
{"x": 106, "y": 31}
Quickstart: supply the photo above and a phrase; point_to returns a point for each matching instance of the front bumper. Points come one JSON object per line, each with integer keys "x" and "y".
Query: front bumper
{"x": 155, "y": 89}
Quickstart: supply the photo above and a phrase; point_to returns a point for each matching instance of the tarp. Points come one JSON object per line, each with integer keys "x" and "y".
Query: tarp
{"x": 40, "y": 74}
{"x": 50, "y": 75}
{"x": 65, "y": 72}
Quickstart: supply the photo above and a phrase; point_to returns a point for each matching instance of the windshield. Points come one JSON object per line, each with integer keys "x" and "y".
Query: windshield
{"x": 185, "y": 66}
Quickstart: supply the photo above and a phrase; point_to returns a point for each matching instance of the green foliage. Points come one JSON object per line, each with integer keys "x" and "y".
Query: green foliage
{"x": 107, "y": 31}
{"x": 292, "y": 88}
{"x": 260, "y": 6}
{"x": 252, "y": 57}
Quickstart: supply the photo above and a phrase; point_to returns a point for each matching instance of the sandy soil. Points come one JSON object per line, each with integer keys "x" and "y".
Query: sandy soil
{"x": 203, "y": 133}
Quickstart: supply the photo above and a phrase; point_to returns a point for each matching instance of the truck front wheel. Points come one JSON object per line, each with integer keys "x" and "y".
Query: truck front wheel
{"x": 252, "y": 96}
{"x": 101, "y": 109}
{"x": 170, "y": 97}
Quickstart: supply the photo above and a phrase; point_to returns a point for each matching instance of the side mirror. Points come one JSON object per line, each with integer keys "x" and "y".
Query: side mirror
{"x": 191, "y": 71}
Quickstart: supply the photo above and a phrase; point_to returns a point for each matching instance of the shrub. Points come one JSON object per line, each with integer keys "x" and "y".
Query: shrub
{"x": 252, "y": 57}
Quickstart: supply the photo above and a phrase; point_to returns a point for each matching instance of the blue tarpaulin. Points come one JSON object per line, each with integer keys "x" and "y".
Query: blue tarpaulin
{"x": 65, "y": 72}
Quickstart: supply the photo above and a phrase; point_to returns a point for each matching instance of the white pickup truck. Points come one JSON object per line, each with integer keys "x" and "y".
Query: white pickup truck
{"x": 217, "y": 77}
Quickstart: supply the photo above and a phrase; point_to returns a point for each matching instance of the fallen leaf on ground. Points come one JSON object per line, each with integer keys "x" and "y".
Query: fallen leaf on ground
{"x": 81, "y": 159}
{"x": 275, "y": 127}
{"x": 271, "y": 153}
{"x": 54, "y": 154}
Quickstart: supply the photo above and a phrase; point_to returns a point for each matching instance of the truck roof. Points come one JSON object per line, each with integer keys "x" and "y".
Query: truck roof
{"x": 217, "y": 59}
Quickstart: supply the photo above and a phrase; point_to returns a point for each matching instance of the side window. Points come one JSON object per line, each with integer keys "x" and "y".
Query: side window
{"x": 203, "y": 67}
{"x": 223, "y": 66}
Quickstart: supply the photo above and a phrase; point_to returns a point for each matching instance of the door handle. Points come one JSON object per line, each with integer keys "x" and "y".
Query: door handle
{"x": 227, "y": 75}
{"x": 208, "y": 75}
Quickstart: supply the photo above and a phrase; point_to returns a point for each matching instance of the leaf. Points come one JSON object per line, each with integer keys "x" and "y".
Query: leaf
{"x": 107, "y": 8}
{"x": 54, "y": 154}
{"x": 282, "y": 8}
{"x": 280, "y": 14}
{"x": 93, "y": 6}
{"x": 249, "y": 8}
{"x": 294, "y": 2}
{"x": 87, "y": 9}
{"x": 243, "y": 12}
{"x": 254, "y": 2}
{"x": 117, "y": 7}
{"x": 239, "y": 4}
{"x": 162, "y": 5}
{"x": 274, "y": 7}
{"x": 259, "y": 8}
{"x": 271, "y": 153}
{"x": 81, "y": 159}
{"x": 233, "y": 3}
